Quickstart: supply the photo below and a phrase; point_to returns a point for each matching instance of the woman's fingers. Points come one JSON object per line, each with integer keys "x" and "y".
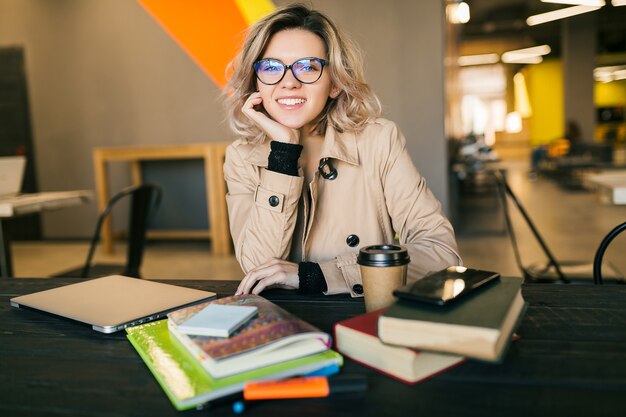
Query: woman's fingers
{"x": 253, "y": 276}
{"x": 257, "y": 276}
{"x": 258, "y": 117}
{"x": 273, "y": 273}
{"x": 254, "y": 100}
{"x": 273, "y": 129}
{"x": 266, "y": 282}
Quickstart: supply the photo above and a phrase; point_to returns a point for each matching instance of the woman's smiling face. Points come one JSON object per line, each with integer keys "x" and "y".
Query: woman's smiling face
{"x": 291, "y": 102}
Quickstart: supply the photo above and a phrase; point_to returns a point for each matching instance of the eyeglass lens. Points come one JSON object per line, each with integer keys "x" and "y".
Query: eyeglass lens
{"x": 306, "y": 70}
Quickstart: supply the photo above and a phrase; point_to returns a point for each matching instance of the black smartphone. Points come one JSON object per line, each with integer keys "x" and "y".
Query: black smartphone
{"x": 446, "y": 285}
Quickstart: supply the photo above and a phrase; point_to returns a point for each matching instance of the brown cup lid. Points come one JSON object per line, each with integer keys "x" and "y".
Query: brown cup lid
{"x": 383, "y": 255}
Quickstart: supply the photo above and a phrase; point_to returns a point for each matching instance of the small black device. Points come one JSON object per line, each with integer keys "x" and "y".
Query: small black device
{"x": 447, "y": 285}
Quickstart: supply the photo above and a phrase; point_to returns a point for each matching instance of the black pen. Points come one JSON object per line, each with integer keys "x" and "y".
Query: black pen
{"x": 218, "y": 402}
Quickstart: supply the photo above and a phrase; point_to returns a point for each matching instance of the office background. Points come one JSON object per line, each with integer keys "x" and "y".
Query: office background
{"x": 106, "y": 74}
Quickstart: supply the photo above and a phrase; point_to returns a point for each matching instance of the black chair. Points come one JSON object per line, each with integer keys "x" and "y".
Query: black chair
{"x": 144, "y": 201}
{"x": 552, "y": 271}
{"x": 597, "y": 261}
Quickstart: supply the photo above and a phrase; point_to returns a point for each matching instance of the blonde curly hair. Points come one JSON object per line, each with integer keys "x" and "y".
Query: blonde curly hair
{"x": 349, "y": 111}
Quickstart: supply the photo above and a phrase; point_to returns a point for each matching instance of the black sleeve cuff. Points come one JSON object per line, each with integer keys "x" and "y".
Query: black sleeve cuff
{"x": 283, "y": 158}
{"x": 311, "y": 278}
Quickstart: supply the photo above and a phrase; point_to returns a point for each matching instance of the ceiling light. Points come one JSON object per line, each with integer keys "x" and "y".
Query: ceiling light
{"x": 619, "y": 75}
{"x": 608, "y": 74}
{"x": 532, "y": 51}
{"x": 617, "y": 3}
{"x": 523, "y": 60}
{"x": 559, "y": 14}
{"x": 526, "y": 55}
{"x": 513, "y": 122}
{"x": 458, "y": 12}
{"x": 520, "y": 96}
{"x": 482, "y": 59}
{"x": 598, "y": 3}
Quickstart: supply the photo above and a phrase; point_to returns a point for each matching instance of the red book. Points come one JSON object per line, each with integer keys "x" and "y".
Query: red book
{"x": 357, "y": 338}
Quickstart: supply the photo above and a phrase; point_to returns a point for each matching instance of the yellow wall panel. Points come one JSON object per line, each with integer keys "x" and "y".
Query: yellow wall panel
{"x": 610, "y": 94}
{"x": 545, "y": 86}
{"x": 253, "y": 10}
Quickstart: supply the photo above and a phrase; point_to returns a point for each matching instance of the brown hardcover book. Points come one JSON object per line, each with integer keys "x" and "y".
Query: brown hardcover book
{"x": 357, "y": 338}
{"x": 270, "y": 337}
{"x": 480, "y": 326}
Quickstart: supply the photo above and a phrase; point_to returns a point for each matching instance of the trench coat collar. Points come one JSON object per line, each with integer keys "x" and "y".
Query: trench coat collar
{"x": 337, "y": 145}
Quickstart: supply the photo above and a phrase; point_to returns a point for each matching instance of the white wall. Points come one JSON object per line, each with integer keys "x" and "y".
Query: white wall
{"x": 104, "y": 73}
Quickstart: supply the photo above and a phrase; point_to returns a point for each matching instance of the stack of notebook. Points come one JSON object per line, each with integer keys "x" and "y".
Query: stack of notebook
{"x": 196, "y": 369}
{"x": 411, "y": 341}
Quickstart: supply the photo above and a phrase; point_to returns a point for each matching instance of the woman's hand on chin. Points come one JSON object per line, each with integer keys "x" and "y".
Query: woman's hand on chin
{"x": 274, "y": 273}
{"x": 273, "y": 129}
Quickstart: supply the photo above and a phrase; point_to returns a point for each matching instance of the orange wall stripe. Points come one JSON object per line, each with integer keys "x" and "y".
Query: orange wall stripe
{"x": 211, "y": 32}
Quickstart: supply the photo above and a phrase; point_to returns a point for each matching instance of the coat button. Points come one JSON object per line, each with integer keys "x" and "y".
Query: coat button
{"x": 357, "y": 288}
{"x": 274, "y": 201}
{"x": 352, "y": 240}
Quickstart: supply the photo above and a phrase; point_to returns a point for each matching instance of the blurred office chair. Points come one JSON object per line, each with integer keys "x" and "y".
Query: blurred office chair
{"x": 552, "y": 271}
{"x": 144, "y": 201}
{"x": 597, "y": 261}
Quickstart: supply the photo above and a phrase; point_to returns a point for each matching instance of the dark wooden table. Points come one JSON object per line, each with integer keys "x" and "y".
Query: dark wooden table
{"x": 570, "y": 361}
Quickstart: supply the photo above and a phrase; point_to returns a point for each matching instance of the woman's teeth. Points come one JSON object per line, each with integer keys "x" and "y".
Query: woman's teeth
{"x": 291, "y": 101}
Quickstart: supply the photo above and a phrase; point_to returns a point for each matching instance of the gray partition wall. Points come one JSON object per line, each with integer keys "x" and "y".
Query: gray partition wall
{"x": 403, "y": 44}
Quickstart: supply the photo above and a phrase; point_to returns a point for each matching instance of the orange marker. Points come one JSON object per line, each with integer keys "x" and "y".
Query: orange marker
{"x": 303, "y": 387}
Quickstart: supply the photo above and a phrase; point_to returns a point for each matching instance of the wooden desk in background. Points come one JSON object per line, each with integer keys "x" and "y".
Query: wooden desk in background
{"x": 25, "y": 204}
{"x": 213, "y": 155}
{"x": 610, "y": 185}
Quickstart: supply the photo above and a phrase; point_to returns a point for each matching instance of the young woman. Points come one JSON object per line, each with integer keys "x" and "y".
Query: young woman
{"x": 316, "y": 174}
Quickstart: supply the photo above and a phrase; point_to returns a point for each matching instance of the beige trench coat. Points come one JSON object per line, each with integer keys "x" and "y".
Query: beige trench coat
{"x": 377, "y": 193}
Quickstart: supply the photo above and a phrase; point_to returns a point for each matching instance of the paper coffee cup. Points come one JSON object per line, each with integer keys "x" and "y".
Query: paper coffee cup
{"x": 383, "y": 270}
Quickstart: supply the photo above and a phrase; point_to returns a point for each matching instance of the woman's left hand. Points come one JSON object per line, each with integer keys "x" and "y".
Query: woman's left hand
{"x": 274, "y": 273}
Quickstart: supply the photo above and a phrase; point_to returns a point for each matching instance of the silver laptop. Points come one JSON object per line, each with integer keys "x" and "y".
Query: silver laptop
{"x": 11, "y": 175}
{"x": 113, "y": 303}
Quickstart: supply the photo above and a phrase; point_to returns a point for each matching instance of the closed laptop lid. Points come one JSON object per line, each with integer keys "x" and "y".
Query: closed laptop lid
{"x": 113, "y": 303}
{"x": 11, "y": 174}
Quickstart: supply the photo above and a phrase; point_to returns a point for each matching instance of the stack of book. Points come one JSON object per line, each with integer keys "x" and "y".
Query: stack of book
{"x": 411, "y": 341}
{"x": 195, "y": 369}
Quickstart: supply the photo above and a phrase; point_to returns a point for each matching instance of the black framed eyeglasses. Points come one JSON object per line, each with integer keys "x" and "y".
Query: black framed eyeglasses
{"x": 271, "y": 71}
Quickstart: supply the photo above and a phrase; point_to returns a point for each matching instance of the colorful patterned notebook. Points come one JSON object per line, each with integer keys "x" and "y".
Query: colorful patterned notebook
{"x": 270, "y": 337}
{"x": 188, "y": 385}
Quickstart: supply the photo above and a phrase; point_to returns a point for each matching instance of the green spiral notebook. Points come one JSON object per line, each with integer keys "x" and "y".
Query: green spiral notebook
{"x": 185, "y": 381}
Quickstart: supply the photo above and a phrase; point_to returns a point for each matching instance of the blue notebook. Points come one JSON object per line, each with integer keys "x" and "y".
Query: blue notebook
{"x": 217, "y": 320}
